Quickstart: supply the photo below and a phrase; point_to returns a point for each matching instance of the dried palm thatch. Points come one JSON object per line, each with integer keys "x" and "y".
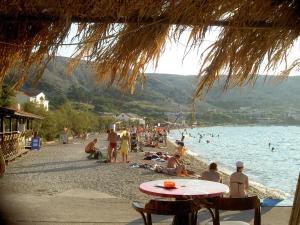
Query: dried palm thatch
{"x": 120, "y": 37}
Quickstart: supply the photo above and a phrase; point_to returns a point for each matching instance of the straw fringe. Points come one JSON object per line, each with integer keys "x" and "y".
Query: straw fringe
{"x": 31, "y": 32}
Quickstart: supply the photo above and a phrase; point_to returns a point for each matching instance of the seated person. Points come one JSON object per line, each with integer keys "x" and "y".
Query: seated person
{"x": 178, "y": 171}
{"x": 239, "y": 183}
{"x": 174, "y": 161}
{"x": 175, "y": 167}
{"x": 92, "y": 149}
{"x": 212, "y": 174}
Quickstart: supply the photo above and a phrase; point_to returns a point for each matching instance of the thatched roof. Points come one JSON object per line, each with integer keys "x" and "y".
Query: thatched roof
{"x": 125, "y": 35}
{"x": 11, "y": 112}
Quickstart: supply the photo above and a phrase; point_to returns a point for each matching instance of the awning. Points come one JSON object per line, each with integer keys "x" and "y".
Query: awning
{"x": 5, "y": 111}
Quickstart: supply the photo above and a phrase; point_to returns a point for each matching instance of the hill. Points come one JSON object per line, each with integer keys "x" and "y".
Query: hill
{"x": 170, "y": 93}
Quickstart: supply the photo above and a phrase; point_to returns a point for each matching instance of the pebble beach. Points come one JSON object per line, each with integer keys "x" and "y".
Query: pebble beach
{"x": 57, "y": 168}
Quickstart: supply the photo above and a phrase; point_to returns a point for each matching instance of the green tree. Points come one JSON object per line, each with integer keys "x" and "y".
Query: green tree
{"x": 6, "y": 96}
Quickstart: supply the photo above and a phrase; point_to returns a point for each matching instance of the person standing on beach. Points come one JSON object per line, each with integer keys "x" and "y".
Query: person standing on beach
{"x": 125, "y": 145}
{"x": 182, "y": 137}
{"x": 112, "y": 148}
{"x": 165, "y": 137}
{"x": 180, "y": 150}
{"x": 212, "y": 174}
{"x": 239, "y": 182}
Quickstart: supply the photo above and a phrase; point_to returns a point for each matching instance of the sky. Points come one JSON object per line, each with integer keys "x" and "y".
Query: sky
{"x": 175, "y": 61}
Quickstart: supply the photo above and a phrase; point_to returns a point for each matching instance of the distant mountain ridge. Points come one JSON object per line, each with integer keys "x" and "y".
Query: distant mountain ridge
{"x": 165, "y": 92}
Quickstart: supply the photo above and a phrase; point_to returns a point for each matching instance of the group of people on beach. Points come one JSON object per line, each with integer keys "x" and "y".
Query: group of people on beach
{"x": 156, "y": 137}
{"x": 112, "y": 148}
{"x": 130, "y": 138}
{"x": 238, "y": 183}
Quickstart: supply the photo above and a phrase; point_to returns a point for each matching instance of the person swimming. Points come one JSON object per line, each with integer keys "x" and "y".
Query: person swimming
{"x": 273, "y": 149}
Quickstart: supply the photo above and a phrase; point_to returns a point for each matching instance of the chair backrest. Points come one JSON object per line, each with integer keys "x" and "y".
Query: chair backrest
{"x": 178, "y": 207}
{"x": 238, "y": 204}
{"x": 234, "y": 204}
{"x": 295, "y": 214}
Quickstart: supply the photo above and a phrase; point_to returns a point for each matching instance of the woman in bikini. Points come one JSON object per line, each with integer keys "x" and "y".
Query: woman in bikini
{"x": 239, "y": 182}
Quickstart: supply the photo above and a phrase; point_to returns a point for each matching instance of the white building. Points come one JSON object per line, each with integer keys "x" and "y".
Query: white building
{"x": 39, "y": 99}
{"x": 131, "y": 117}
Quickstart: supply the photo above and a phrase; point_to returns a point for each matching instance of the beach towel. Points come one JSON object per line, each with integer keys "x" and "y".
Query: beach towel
{"x": 268, "y": 202}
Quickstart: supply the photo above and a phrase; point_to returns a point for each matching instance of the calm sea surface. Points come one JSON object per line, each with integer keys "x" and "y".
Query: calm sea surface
{"x": 276, "y": 169}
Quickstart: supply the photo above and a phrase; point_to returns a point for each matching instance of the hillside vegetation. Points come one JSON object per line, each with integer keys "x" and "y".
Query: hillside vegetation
{"x": 166, "y": 93}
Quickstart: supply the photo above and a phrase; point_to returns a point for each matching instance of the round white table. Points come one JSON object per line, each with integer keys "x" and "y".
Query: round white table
{"x": 184, "y": 189}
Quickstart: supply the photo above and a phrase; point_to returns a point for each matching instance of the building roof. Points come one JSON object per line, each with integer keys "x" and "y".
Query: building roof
{"x": 132, "y": 115}
{"x": 121, "y": 37}
{"x": 6, "y": 111}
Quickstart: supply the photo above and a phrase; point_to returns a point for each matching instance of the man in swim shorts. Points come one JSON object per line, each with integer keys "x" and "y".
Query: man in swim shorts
{"x": 112, "y": 148}
{"x": 239, "y": 183}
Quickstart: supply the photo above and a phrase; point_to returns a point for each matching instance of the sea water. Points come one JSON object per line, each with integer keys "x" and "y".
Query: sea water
{"x": 275, "y": 166}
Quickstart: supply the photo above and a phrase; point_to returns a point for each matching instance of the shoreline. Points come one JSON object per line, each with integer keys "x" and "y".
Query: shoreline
{"x": 59, "y": 168}
{"x": 234, "y": 125}
{"x": 255, "y": 188}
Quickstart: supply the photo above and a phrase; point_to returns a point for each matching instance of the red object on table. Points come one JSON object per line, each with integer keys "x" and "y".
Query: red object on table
{"x": 169, "y": 184}
{"x": 185, "y": 188}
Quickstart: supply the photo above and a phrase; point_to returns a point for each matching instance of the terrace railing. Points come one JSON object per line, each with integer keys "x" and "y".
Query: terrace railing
{"x": 9, "y": 143}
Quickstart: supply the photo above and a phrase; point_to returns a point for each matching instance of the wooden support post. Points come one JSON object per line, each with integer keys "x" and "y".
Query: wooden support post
{"x": 10, "y": 124}
{"x": 2, "y": 125}
{"x": 17, "y": 124}
{"x": 27, "y": 124}
{"x": 295, "y": 214}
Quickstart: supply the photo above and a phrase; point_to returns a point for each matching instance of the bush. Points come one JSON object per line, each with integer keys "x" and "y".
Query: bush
{"x": 67, "y": 116}
{"x": 6, "y": 96}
